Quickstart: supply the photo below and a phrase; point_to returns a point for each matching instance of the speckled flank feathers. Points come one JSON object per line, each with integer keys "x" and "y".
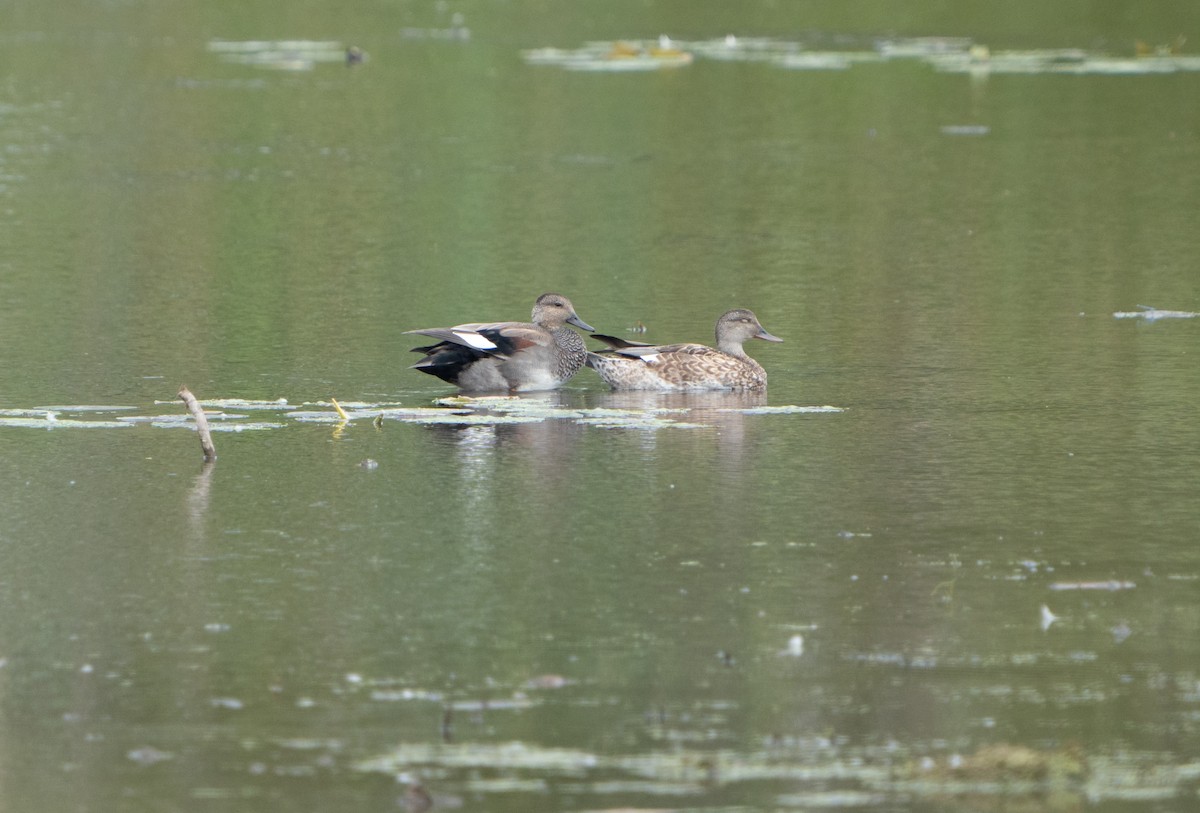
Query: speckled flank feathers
{"x": 635, "y": 366}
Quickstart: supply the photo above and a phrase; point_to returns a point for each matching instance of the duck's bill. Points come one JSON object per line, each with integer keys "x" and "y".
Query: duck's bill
{"x": 575, "y": 320}
{"x": 762, "y": 334}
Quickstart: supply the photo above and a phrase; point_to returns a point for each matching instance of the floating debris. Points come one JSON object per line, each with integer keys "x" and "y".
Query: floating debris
{"x": 231, "y": 703}
{"x": 149, "y": 755}
{"x": 1006, "y": 763}
{"x": 258, "y": 46}
{"x": 509, "y": 755}
{"x": 923, "y": 47}
{"x": 1047, "y": 618}
{"x": 1152, "y": 314}
{"x": 405, "y": 695}
{"x": 732, "y": 48}
{"x": 280, "y": 55}
{"x": 834, "y": 800}
{"x": 71, "y": 408}
{"x": 236, "y": 403}
{"x": 471, "y": 420}
{"x": 242, "y": 403}
{"x": 1058, "y": 61}
{"x": 1008, "y": 773}
{"x": 412, "y": 415}
{"x": 827, "y": 60}
{"x": 313, "y": 416}
{"x": 355, "y": 405}
{"x": 41, "y": 413}
{"x": 785, "y": 410}
{"x": 179, "y": 419}
{"x": 614, "y": 56}
{"x": 222, "y": 422}
{"x": 944, "y": 54}
{"x": 1111, "y": 585}
{"x": 475, "y": 401}
{"x": 966, "y": 130}
{"x": 698, "y": 413}
{"x": 243, "y": 427}
{"x": 794, "y": 648}
{"x": 49, "y": 421}
{"x": 1141, "y": 48}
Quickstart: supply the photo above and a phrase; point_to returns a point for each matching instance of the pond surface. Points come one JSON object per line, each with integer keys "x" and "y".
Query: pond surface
{"x": 948, "y": 562}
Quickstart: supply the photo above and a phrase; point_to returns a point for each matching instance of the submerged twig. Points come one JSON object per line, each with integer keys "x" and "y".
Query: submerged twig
{"x": 206, "y": 444}
{"x": 341, "y": 412}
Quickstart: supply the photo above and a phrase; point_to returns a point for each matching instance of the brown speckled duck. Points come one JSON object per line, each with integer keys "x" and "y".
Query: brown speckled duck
{"x": 636, "y": 366}
{"x": 508, "y": 356}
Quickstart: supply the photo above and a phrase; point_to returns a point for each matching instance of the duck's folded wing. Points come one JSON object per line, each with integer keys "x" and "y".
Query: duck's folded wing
{"x": 616, "y": 343}
{"x": 652, "y": 353}
{"x": 508, "y": 338}
{"x": 490, "y": 338}
{"x": 454, "y": 335}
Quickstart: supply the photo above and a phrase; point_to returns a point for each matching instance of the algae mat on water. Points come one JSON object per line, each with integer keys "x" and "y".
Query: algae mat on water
{"x": 227, "y": 414}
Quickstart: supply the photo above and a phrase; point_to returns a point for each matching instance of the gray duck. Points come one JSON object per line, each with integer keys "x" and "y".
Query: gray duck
{"x": 508, "y": 356}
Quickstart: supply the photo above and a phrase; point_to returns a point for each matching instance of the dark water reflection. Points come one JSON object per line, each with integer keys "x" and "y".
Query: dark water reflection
{"x": 976, "y": 578}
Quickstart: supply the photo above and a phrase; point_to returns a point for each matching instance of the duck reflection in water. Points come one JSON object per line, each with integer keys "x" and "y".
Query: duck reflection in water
{"x": 527, "y": 464}
{"x": 497, "y": 462}
{"x": 722, "y": 411}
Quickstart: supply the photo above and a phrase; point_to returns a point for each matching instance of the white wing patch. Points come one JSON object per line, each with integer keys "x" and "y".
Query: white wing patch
{"x": 651, "y": 358}
{"x": 475, "y": 340}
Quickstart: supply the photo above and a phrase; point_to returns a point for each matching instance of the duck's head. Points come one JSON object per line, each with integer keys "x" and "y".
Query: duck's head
{"x": 554, "y": 310}
{"x": 737, "y": 326}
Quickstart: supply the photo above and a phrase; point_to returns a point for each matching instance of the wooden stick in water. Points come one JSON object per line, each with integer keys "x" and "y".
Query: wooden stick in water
{"x": 206, "y": 444}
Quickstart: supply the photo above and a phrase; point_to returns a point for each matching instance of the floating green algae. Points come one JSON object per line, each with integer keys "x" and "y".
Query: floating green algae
{"x": 230, "y": 414}
{"x": 998, "y": 771}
